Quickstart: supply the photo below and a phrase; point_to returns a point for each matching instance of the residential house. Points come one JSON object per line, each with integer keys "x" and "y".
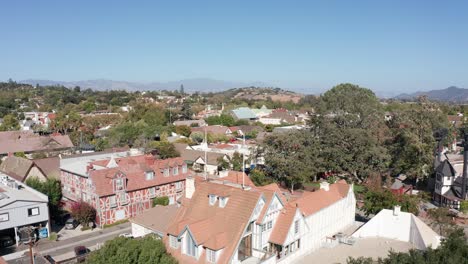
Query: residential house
{"x": 209, "y": 112}
{"x": 401, "y": 185}
{"x": 448, "y": 182}
{"x": 22, "y": 209}
{"x": 214, "y": 130}
{"x": 246, "y": 130}
{"x": 196, "y": 159}
{"x": 22, "y": 169}
{"x": 30, "y": 143}
{"x": 38, "y": 118}
{"x": 243, "y": 113}
{"x": 119, "y": 185}
{"x": 224, "y": 222}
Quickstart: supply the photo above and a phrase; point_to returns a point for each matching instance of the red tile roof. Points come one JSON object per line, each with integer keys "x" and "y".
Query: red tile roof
{"x": 308, "y": 204}
{"x": 134, "y": 169}
{"x": 213, "y": 226}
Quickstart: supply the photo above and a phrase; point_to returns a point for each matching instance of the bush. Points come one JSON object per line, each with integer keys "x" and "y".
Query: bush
{"x": 163, "y": 200}
{"x": 464, "y": 207}
{"x": 125, "y": 250}
{"x": 259, "y": 178}
{"x": 116, "y": 223}
{"x": 83, "y": 213}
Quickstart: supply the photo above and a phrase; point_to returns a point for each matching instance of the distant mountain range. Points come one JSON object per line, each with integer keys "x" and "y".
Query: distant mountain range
{"x": 190, "y": 85}
{"x": 450, "y": 94}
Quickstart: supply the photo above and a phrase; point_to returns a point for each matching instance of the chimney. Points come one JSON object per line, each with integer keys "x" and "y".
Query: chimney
{"x": 325, "y": 186}
{"x": 189, "y": 187}
{"x": 89, "y": 167}
{"x": 396, "y": 210}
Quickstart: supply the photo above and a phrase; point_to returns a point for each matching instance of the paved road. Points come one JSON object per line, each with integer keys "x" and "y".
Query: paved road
{"x": 63, "y": 248}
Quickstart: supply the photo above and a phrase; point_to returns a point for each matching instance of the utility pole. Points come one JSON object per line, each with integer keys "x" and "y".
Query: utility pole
{"x": 206, "y": 161}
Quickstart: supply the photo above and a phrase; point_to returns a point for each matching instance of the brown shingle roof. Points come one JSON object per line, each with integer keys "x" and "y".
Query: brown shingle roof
{"x": 27, "y": 141}
{"x": 211, "y": 129}
{"x": 146, "y": 219}
{"x": 16, "y": 167}
{"x": 49, "y": 166}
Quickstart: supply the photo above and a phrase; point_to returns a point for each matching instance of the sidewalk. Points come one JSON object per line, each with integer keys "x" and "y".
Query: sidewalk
{"x": 46, "y": 247}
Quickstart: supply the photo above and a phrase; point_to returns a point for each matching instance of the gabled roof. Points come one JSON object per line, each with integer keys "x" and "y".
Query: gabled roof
{"x": 49, "y": 166}
{"x": 446, "y": 169}
{"x": 16, "y": 167}
{"x": 216, "y": 129}
{"x": 27, "y": 141}
{"x": 134, "y": 169}
{"x": 244, "y": 113}
{"x": 282, "y": 225}
{"x": 309, "y": 204}
{"x": 212, "y": 226}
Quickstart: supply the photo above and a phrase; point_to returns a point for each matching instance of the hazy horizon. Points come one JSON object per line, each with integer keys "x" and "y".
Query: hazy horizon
{"x": 390, "y": 47}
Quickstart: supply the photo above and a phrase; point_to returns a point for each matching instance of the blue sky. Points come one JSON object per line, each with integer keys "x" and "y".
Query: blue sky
{"x": 312, "y": 45}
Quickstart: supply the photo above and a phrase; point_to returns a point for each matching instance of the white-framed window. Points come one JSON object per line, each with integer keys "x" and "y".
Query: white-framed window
{"x": 296, "y": 226}
{"x": 190, "y": 247}
{"x": 178, "y": 185}
{"x": 123, "y": 198}
{"x": 175, "y": 170}
{"x": 184, "y": 168}
{"x": 33, "y": 211}
{"x": 210, "y": 255}
{"x": 152, "y": 192}
{"x": 269, "y": 225}
{"x": 4, "y": 217}
{"x": 173, "y": 241}
{"x": 212, "y": 198}
{"x": 112, "y": 201}
{"x": 166, "y": 172}
{"x": 223, "y": 201}
{"x": 149, "y": 175}
{"x": 119, "y": 184}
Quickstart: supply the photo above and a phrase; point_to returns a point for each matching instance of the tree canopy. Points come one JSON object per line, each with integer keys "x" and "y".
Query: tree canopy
{"x": 120, "y": 250}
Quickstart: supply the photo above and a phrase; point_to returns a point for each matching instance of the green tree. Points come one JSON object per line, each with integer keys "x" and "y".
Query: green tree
{"x": 52, "y": 188}
{"x": 9, "y": 123}
{"x": 183, "y": 130}
{"x": 292, "y": 157}
{"x": 236, "y": 161}
{"x": 441, "y": 218}
{"x": 120, "y": 250}
{"x": 351, "y": 131}
{"x": 186, "y": 111}
{"x": 259, "y": 178}
{"x": 165, "y": 150}
{"x": 376, "y": 200}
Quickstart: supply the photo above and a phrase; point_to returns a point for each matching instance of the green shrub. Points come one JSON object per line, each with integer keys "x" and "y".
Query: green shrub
{"x": 163, "y": 200}
{"x": 53, "y": 236}
{"x": 116, "y": 223}
{"x": 464, "y": 207}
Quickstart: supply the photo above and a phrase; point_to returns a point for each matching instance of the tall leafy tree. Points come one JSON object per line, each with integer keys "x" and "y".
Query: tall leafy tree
{"x": 292, "y": 157}
{"x": 351, "y": 131}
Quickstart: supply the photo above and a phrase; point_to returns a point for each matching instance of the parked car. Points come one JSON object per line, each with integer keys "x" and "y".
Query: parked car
{"x": 80, "y": 253}
{"x": 127, "y": 235}
{"x": 71, "y": 223}
{"x": 6, "y": 241}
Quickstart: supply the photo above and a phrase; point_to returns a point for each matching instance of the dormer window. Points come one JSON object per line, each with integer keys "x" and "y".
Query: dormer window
{"x": 119, "y": 184}
{"x": 223, "y": 201}
{"x": 175, "y": 170}
{"x": 149, "y": 175}
{"x": 212, "y": 199}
